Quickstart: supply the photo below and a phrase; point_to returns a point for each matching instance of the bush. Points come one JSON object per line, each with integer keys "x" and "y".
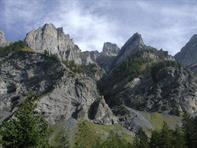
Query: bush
{"x": 16, "y": 46}
{"x": 160, "y": 65}
{"x": 25, "y": 129}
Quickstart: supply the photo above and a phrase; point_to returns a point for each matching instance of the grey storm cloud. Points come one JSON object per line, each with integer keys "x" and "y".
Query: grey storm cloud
{"x": 163, "y": 24}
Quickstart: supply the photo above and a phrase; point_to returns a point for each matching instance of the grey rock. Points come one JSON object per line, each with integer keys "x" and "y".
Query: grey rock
{"x": 62, "y": 93}
{"x": 3, "y": 41}
{"x": 107, "y": 56}
{"x": 187, "y": 55}
{"x": 54, "y": 41}
{"x": 100, "y": 113}
{"x": 89, "y": 57}
{"x": 22, "y": 73}
{"x": 134, "y": 44}
{"x": 110, "y": 49}
{"x": 71, "y": 97}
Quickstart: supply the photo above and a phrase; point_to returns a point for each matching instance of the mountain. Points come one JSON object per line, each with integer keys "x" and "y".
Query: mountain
{"x": 134, "y": 44}
{"x": 3, "y": 41}
{"x": 110, "y": 49}
{"x": 187, "y": 55}
{"x": 53, "y": 41}
{"x": 107, "y": 56}
{"x": 148, "y": 80}
{"x": 112, "y": 93}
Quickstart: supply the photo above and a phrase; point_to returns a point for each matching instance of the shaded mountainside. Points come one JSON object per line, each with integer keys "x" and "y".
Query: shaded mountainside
{"x": 147, "y": 80}
{"x": 187, "y": 55}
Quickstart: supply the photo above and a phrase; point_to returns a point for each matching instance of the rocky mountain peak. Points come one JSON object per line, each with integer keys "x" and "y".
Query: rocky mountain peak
{"x": 187, "y": 55}
{"x": 3, "y": 41}
{"x": 54, "y": 41}
{"x": 134, "y": 44}
{"x": 135, "y": 41}
{"x": 110, "y": 49}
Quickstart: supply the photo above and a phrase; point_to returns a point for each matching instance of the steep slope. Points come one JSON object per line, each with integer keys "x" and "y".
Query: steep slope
{"x": 23, "y": 73}
{"x": 53, "y": 41}
{"x": 147, "y": 80}
{"x": 187, "y": 55}
{"x": 134, "y": 44}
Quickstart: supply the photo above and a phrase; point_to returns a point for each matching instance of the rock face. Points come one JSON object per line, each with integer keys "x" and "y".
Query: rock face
{"x": 54, "y": 41}
{"x": 107, "y": 56}
{"x": 63, "y": 94}
{"x": 101, "y": 113}
{"x": 89, "y": 57}
{"x": 71, "y": 98}
{"x": 23, "y": 72}
{"x": 3, "y": 41}
{"x": 174, "y": 92}
{"x": 134, "y": 44}
{"x": 136, "y": 83}
{"x": 187, "y": 55}
{"x": 110, "y": 49}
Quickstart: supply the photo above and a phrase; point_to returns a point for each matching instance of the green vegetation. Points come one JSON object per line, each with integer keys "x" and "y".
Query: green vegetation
{"x": 58, "y": 137}
{"x": 16, "y": 46}
{"x": 161, "y": 65}
{"x": 89, "y": 69}
{"x": 184, "y": 137}
{"x": 25, "y": 129}
{"x": 90, "y": 135}
{"x": 157, "y": 120}
{"x": 132, "y": 67}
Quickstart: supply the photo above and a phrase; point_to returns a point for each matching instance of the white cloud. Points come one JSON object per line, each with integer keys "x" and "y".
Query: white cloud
{"x": 163, "y": 24}
{"x": 89, "y": 30}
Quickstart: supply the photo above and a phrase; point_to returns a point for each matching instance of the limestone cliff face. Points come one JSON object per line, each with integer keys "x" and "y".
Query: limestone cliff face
{"x": 54, "y": 41}
{"x": 3, "y": 41}
{"x": 62, "y": 93}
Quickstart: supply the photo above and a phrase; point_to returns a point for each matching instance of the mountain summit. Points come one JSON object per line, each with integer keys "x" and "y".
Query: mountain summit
{"x": 134, "y": 44}
{"x": 53, "y": 40}
{"x": 187, "y": 55}
{"x": 3, "y": 41}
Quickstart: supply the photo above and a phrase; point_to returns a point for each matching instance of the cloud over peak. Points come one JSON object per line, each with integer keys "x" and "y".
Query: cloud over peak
{"x": 163, "y": 24}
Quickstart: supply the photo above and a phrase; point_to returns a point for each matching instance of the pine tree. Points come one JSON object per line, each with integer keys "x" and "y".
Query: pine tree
{"x": 25, "y": 129}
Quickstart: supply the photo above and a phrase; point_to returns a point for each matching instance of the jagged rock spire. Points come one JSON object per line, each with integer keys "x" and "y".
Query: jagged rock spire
{"x": 187, "y": 55}
{"x": 134, "y": 44}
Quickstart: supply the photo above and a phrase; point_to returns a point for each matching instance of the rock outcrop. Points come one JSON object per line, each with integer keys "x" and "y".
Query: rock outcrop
{"x": 107, "y": 56}
{"x": 71, "y": 98}
{"x": 100, "y": 113}
{"x": 53, "y": 41}
{"x": 62, "y": 93}
{"x": 89, "y": 57}
{"x": 3, "y": 41}
{"x": 150, "y": 80}
{"x": 188, "y": 54}
{"x": 22, "y": 73}
{"x": 134, "y": 44}
{"x": 110, "y": 49}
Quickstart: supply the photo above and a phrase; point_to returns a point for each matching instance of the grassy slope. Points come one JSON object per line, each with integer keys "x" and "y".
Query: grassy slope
{"x": 157, "y": 120}
{"x": 88, "y": 134}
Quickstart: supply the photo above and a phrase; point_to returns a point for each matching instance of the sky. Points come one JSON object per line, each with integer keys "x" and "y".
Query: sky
{"x": 166, "y": 24}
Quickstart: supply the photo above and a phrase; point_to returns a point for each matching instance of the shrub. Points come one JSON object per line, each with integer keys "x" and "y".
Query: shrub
{"x": 16, "y": 46}
{"x": 160, "y": 65}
